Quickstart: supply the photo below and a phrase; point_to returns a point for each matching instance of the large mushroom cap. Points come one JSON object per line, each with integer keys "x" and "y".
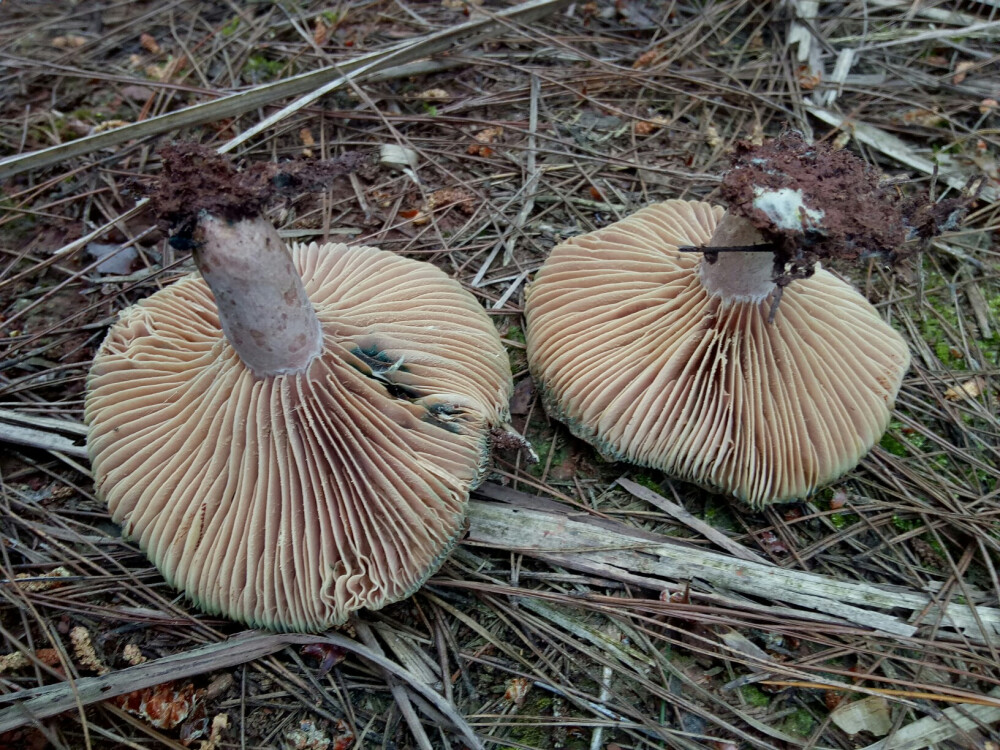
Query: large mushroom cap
{"x": 290, "y": 501}
{"x": 639, "y": 359}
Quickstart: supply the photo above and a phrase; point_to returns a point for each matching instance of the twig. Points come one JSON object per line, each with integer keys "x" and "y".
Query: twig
{"x": 567, "y": 541}
{"x": 398, "y": 693}
{"x": 677, "y": 512}
{"x": 41, "y": 435}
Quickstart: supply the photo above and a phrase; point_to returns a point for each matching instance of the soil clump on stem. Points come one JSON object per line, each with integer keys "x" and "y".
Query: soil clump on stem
{"x": 196, "y": 179}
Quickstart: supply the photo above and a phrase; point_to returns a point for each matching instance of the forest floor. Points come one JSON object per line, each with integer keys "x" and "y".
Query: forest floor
{"x": 873, "y": 608}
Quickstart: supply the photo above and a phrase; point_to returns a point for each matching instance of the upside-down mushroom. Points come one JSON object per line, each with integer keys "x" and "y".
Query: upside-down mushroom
{"x": 715, "y": 368}
{"x": 293, "y": 434}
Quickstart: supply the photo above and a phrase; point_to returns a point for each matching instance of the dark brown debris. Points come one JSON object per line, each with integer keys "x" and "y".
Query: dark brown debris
{"x": 859, "y": 215}
{"x": 862, "y": 216}
{"x": 195, "y": 178}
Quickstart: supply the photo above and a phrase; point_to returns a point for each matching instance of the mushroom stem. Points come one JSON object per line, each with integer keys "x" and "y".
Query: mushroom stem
{"x": 738, "y": 276}
{"x": 263, "y": 307}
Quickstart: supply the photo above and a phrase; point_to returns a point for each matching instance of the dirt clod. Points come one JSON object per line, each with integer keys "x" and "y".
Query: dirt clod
{"x": 195, "y": 178}
{"x": 852, "y": 213}
{"x": 859, "y": 216}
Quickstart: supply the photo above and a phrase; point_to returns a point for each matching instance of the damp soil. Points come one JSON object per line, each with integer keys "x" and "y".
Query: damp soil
{"x": 861, "y": 215}
{"x": 195, "y": 178}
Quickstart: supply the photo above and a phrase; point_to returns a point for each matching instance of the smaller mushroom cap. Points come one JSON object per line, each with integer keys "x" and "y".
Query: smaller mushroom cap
{"x": 639, "y": 359}
{"x": 290, "y": 501}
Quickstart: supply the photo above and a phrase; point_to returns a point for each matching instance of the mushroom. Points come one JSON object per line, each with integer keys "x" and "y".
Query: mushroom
{"x": 292, "y": 435}
{"x": 689, "y": 365}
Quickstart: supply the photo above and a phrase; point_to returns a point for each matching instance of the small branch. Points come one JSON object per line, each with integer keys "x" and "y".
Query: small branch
{"x": 618, "y": 552}
{"x": 42, "y": 432}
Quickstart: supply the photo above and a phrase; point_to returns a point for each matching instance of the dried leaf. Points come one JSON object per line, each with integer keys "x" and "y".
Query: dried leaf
{"x": 465, "y": 200}
{"x": 344, "y": 738}
{"x": 415, "y": 216}
{"x": 770, "y": 542}
{"x": 972, "y": 388}
{"x": 219, "y": 686}
{"x": 524, "y": 391}
{"x": 517, "y": 690}
{"x": 808, "y": 78}
{"x": 306, "y": 136}
{"x": 962, "y": 71}
{"x": 924, "y": 117}
{"x": 149, "y": 44}
{"x": 646, "y": 127}
{"x": 321, "y": 32}
{"x": 306, "y": 736}
{"x": 712, "y": 136}
{"x": 869, "y": 714}
{"x": 136, "y": 93}
{"x": 391, "y": 155}
{"x": 488, "y": 135}
{"x": 219, "y": 726}
{"x": 832, "y": 698}
{"x": 328, "y": 656}
{"x": 434, "y": 95}
{"x": 164, "y": 706}
{"x": 646, "y": 59}
{"x": 483, "y": 138}
{"x": 743, "y": 645}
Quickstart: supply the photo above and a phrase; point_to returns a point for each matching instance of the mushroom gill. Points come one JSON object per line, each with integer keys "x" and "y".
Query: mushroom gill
{"x": 639, "y": 357}
{"x": 288, "y": 501}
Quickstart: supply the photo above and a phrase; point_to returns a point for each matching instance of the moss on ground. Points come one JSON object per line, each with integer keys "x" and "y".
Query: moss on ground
{"x": 799, "y": 723}
{"x": 755, "y": 696}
